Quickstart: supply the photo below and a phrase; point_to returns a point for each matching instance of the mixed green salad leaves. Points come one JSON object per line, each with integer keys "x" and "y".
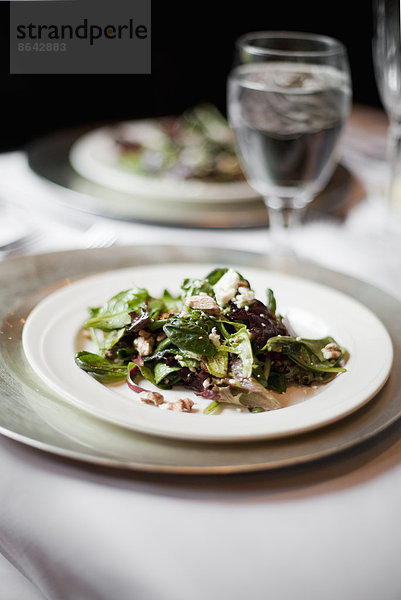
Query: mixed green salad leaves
{"x": 198, "y": 144}
{"x": 215, "y": 339}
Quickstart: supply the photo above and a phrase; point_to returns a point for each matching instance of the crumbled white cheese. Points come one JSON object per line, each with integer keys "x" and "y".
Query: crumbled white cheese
{"x": 331, "y": 351}
{"x": 143, "y": 346}
{"x": 244, "y": 297}
{"x": 214, "y": 337}
{"x": 227, "y": 287}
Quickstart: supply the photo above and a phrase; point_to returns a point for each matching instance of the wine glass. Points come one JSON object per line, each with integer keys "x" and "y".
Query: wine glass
{"x": 387, "y": 64}
{"x": 289, "y": 95}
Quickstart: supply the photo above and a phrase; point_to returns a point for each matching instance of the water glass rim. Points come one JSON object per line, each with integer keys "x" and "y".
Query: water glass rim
{"x": 334, "y": 46}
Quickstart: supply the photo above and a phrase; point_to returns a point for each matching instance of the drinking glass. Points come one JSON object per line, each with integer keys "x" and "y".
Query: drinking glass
{"x": 387, "y": 63}
{"x": 289, "y": 95}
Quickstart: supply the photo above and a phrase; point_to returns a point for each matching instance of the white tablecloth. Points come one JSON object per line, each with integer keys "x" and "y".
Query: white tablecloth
{"x": 330, "y": 531}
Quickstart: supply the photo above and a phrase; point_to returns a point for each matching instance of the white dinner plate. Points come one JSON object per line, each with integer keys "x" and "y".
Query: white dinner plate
{"x": 95, "y": 157}
{"x": 51, "y": 337}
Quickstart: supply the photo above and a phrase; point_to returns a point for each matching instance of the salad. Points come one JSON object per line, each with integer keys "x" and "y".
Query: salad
{"x": 215, "y": 339}
{"x": 196, "y": 145}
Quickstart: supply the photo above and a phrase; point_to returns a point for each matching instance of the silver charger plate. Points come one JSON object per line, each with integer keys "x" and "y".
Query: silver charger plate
{"x": 34, "y": 415}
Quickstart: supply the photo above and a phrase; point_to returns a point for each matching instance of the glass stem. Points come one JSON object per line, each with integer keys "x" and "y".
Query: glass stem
{"x": 394, "y": 160}
{"x": 284, "y": 218}
{"x": 284, "y": 214}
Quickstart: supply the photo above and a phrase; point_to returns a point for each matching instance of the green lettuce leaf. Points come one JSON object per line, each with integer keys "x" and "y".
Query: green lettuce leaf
{"x": 114, "y": 314}
{"x": 306, "y": 353}
{"x": 191, "y": 336}
{"x": 100, "y": 368}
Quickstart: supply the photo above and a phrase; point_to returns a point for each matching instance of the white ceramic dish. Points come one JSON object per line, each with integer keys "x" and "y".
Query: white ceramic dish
{"x": 94, "y": 156}
{"x": 50, "y": 340}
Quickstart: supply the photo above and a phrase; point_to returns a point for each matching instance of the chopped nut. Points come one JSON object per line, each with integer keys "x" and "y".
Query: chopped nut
{"x": 332, "y": 350}
{"x": 203, "y": 302}
{"x": 143, "y": 346}
{"x": 206, "y": 383}
{"x": 153, "y": 398}
{"x": 166, "y": 315}
{"x": 181, "y": 405}
{"x": 144, "y": 333}
{"x": 161, "y": 337}
{"x": 86, "y": 334}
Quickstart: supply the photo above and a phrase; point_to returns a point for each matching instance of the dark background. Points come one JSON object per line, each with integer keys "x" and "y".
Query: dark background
{"x": 192, "y": 51}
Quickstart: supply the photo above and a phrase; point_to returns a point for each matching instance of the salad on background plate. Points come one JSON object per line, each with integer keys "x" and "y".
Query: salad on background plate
{"x": 189, "y": 157}
{"x": 198, "y": 144}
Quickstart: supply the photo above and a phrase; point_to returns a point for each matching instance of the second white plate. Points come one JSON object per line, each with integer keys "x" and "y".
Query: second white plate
{"x": 95, "y": 157}
{"x": 50, "y": 341}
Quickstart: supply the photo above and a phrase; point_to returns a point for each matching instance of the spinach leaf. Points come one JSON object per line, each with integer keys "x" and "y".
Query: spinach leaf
{"x": 111, "y": 338}
{"x": 157, "y": 373}
{"x": 258, "y": 374}
{"x": 306, "y": 353}
{"x": 163, "y": 345}
{"x": 114, "y": 314}
{"x": 217, "y": 365}
{"x": 277, "y": 382}
{"x": 188, "y": 361}
{"x": 271, "y": 301}
{"x": 161, "y": 371}
{"x": 191, "y": 336}
{"x": 157, "y": 324}
{"x": 100, "y": 368}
